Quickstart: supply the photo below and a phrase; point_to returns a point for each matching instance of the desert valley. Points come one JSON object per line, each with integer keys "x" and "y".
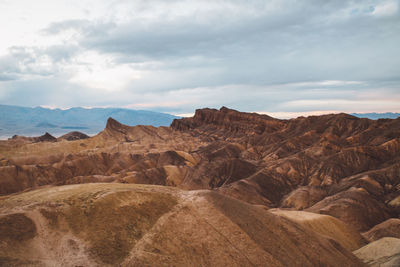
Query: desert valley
{"x": 221, "y": 188}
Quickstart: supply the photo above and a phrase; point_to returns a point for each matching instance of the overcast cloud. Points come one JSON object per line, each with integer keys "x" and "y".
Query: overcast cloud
{"x": 176, "y": 56}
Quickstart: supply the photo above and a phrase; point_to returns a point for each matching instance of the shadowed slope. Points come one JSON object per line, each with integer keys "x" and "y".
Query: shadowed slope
{"x": 389, "y": 228}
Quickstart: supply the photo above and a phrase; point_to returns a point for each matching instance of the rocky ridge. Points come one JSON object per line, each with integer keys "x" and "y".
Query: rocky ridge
{"x": 336, "y": 165}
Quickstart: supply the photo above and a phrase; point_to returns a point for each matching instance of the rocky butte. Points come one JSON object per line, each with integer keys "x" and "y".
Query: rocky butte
{"x": 220, "y": 188}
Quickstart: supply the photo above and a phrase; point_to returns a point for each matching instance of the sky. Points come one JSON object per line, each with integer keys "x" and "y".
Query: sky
{"x": 281, "y": 57}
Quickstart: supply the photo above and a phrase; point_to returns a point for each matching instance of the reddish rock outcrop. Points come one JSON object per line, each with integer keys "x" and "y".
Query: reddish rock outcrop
{"x": 72, "y": 136}
{"x": 43, "y": 138}
{"x": 389, "y": 228}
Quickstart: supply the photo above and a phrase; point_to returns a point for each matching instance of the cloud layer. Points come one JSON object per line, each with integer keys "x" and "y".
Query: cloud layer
{"x": 175, "y": 56}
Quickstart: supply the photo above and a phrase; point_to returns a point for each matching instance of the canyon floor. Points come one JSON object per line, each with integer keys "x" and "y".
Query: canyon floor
{"x": 220, "y": 188}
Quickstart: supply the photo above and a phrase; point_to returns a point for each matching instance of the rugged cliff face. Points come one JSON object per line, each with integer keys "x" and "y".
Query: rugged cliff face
{"x": 228, "y": 121}
{"x": 333, "y": 164}
{"x": 336, "y": 165}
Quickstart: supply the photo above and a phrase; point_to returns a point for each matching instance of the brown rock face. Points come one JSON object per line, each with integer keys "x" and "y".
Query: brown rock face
{"x": 389, "y": 228}
{"x": 43, "y": 138}
{"x": 73, "y": 136}
{"x": 303, "y": 197}
{"x": 115, "y": 126}
{"x": 335, "y": 164}
{"x": 354, "y": 206}
{"x": 228, "y": 120}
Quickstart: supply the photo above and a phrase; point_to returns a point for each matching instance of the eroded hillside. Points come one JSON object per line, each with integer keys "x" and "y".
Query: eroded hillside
{"x": 336, "y": 165}
{"x": 142, "y": 225}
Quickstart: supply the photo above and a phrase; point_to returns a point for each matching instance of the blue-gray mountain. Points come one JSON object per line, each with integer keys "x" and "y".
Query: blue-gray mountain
{"x": 35, "y": 121}
{"x": 375, "y": 116}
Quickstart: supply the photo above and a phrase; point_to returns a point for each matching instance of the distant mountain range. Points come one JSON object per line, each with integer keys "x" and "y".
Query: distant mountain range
{"x": 16, "y": 120}
{"x": 36, "y": 121}
{"x": 375, "y": 116}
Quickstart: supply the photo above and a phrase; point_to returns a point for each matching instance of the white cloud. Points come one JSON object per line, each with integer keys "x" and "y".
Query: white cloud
{"x": 160, "y": 104}
{"x": 324, "y": 83}
{"x": 100, "y": 72}
{"x": 387, "y": 8}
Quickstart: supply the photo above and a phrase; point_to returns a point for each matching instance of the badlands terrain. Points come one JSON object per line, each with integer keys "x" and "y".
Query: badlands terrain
{"x": 220, "y": 188}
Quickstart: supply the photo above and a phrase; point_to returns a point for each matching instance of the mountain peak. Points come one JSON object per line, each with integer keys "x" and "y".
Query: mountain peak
{"x": 225, "y": 109}
{"x": 47, "y": 137}
{"x": 114, "y": 125}
{"x": 111, "y": 123}
{"x": 74, "y": 135}
{"x": 227, "y": 119}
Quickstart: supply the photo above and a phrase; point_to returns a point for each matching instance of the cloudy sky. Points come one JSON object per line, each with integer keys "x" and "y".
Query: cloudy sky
{"x": 281, "y": 57}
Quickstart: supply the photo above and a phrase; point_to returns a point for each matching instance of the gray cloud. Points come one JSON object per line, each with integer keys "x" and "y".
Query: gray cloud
{"x": 85, "y": 27}
{"x": 251, "y": 55}
{"x": 27, "y": 62}
{"x": 298, "y": 41}
{"x": 7, "y": 77}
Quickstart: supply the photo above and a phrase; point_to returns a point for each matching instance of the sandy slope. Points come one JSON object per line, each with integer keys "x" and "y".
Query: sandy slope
{"x": 384, "y": 252}
{"x": 140, "y": 225}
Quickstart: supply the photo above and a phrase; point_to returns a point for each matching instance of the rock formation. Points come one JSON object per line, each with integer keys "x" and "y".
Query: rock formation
{"x": 75, "y": 135}
{"x": 383, "y": 252}
{"x": 389, "y": 228}
{"x": 43, "y": 138}
{"x": 337, "y": 165}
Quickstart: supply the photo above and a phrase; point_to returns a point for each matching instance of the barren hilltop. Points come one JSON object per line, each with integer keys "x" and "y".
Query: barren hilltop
{"x": 220, "y": 188}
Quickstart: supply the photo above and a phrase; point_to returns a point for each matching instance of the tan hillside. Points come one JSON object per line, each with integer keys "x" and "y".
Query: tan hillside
{"x": 108, "y": 224}
{"x": 384, "y": 252}
{"x": 327, "y": 226}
